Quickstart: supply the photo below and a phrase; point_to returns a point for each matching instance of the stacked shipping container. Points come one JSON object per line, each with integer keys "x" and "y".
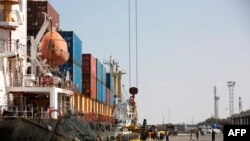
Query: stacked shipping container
{"x": 35, "y": 16}
{"x": 97, "y": 83}
{"x": 74, "y": 64}
{"x": 89, "y": 75}
{"x": 101, "y": 82}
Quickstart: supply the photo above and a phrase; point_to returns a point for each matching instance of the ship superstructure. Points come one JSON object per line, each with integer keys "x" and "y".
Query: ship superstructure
{"x": 125, "y": 111}
{"x": 13, "y": 40}
{"x": 25, "y": 78}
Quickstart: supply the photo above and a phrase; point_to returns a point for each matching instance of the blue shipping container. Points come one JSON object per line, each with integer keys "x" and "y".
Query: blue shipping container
{"x": 74, "y": 47}
{"x": 77, "y": 78}
{"x": 99, "y": 90}
{"x": 74, "y": 64}
{"x": 109, "y": 82}
{"x": 104, "y": 94}
{"x": 99, "y": 67}
{"x": 104, "y": 75}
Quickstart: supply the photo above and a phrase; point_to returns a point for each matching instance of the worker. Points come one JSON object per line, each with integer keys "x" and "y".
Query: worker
{"x": 191, "y": 135}
{"x": 213, "y": 135}
{"x": 197, "y": 134}
{"x": 158, "y": 135}
{"x": 166, "y": 134}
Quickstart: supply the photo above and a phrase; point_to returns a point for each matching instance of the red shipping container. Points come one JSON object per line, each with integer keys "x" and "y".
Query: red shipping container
{"x": 89, "y": 87}
{"x": 89, "y": 75}
{"x": 108, "y": 96}
{"x": 88, "y": 65}
{"x": 93, "y": 87}
{"x": 35, "y": 16}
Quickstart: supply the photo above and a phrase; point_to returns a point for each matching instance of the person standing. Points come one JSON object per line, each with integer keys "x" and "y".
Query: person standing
{"x": 213, "y": 135}
{"x": 197, "y": 134}
{"x": 191, "y": 135}
{"x": 166, "y": 134}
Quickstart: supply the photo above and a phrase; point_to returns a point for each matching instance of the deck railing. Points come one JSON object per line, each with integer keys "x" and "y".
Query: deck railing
{"x": 28, "y": 112}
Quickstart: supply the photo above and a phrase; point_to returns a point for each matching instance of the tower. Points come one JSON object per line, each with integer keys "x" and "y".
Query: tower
{"x": 231, "y": 85}
{"x": 216, "y": 104}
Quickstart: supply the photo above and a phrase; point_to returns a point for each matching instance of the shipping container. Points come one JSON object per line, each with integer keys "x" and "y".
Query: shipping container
{"x": 74, "y": 44}
{"x": 99, "y": 91}
{"x": 104, "y": 94}
{"x": 104, "y": 75}
{"x": 74, "y": 64}
{"x": 35, "y": 16}
{"x": 89, "y": 75}
{"x": 99, "y": 67}
{"x": 108, "y": 96}
{"x": 89, "y": 86}
{"x": 100, "y": 72}
{"x": 109, "y": 81}
{"x": 88, "y": 64}
{"x": 77, "y": 79}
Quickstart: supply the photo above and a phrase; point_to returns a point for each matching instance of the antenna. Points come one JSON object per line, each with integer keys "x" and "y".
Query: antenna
{"x": 169, "y": 115}
{"x": 231, "y": 85}
{"x": 111, "y": 63}
{"x": 216, "y": 104}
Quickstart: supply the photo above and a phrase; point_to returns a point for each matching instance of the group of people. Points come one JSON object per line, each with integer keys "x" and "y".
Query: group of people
{"x": 197, "y": 133}
{"x": 158, "y": 135}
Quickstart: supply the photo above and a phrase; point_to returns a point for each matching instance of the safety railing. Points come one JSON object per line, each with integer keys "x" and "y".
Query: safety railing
{"x": 32, "y": 112}
{"x": 24, "y": 111}
{"x": 7, "y": 45}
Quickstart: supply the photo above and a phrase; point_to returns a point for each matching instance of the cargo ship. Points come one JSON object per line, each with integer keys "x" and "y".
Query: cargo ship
{"x": 49, "y": 90}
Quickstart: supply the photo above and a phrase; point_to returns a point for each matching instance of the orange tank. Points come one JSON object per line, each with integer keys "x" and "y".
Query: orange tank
{"x": 54, "y": 49}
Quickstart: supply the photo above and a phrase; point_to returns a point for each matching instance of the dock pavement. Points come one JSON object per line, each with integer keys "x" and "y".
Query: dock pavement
{"x": 186, "y": 137}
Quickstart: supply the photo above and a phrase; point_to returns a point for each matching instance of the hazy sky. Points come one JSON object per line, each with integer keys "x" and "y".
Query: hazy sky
{"x": 185, "y": 48}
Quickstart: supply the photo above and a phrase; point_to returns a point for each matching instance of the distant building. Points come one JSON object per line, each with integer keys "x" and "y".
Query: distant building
{"x": 190, "y": 127}
{"x": 181, "y": 127}
{"x": 242, "y": 118}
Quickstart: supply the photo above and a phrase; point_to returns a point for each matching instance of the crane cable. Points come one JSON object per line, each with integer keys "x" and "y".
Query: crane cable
{"x": 136, "y": 41}
{"x": 129, "y": 42}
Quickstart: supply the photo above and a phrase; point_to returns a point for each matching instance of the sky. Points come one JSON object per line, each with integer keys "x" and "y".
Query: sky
{"x": 185, "y": 48}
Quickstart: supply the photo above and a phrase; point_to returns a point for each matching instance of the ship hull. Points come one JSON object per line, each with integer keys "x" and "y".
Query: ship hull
{"x": 21, "y": 129}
